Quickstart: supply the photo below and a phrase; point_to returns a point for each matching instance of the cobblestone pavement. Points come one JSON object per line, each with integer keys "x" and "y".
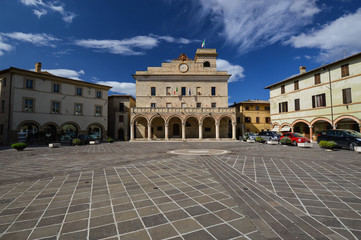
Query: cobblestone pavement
{"x": 141, "y": 190}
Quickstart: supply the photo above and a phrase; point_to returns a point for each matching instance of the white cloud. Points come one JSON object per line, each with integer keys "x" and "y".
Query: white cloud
{"x": 67, "y": 73}
{"x": 4, "y": 47}
{"x": 333, "y": 39}
{"x": 235, "y": 70}
{"x": 254, "y": 24}
{"x": 130, "y": 46}
{"x": 120, "y": 87}
{"x": 41, "y": 7}
{"x": 41, "y": 39}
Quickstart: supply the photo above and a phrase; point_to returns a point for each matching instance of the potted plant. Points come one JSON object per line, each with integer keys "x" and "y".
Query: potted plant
{"x": 110, "y": 140}
{"x": 20, "y": 146}
{"x": 286, "y": 141}
{"x": 260, "y": 140}
{"x": 327, "y": 145}
{"x": 76, "y": 141}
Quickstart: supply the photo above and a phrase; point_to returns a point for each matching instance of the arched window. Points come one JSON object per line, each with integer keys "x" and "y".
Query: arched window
{"x": 206, "y": 64}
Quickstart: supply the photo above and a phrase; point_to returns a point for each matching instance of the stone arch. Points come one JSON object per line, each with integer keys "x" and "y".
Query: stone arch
{"x": 207, "y": 116}
{"x": 156, "y": 116}
{"x": 320, "y": 124}
{"x": 347, "y": 117}
{"x": 68, "y": 131}
{"x": 191, "y": 126}
{"x": 320, "y": 119}
{"x": 194, "y": 116}
{"x": 206, "y": 64}
{"x": 49, "y": 123}
{"x": 139, "y": 116}
{"x": 173, "y": 116}
{"x": 70, "y": 123}
{"x": 157, "y": 124}
{"x": 348, "y": 122}
{"x": 300, "y": 121}
{"x": 140, "y": 123}
{"x": 225, "y": 127}
{"x": 28, "y": 131}
{"x": 51, "y": 131}
{"x": 28, "y": 122}
{"x": 209, "y": 127}
{"x": 95, "y": 130}
{"x": 175, "y": 123}
{"x": 227, "y": 115}
{"x": 285, "y": 124}
{"x": 302, "y": 126}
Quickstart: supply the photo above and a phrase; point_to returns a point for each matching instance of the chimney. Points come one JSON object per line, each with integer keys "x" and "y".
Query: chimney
{"x": 302, "y": 70}
{"x": 38, "y": 67}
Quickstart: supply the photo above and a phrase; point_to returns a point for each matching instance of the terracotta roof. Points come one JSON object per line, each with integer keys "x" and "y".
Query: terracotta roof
{"x": 251, "y": 102}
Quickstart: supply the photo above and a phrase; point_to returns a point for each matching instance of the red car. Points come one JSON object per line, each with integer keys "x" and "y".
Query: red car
{"x": 296, "y": 138}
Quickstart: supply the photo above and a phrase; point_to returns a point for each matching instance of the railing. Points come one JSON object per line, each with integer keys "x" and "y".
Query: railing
{"x": 182, "y": 110}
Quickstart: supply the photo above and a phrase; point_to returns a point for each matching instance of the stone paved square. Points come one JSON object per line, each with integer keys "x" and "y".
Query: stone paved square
{"x": 156, "y": 190}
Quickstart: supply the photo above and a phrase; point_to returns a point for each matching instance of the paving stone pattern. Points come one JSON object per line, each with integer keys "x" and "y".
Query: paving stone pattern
{"x": 141, "y": 191}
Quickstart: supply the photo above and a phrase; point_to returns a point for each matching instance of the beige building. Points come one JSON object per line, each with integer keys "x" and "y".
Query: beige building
{"x": 252, "y": 116}
{"x": 323, "y": 98}
{"x": 119, "y": 116}
{"x": 183, "y": 99}
{"x": 40, "y": 107}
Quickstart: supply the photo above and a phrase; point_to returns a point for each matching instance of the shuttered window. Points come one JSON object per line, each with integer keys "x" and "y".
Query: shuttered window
{"x": 346, "y": 95}
{"x": 297, "y": 104}
{"x": 296, "y": 86}
{"x": 283, "y": 89}
{"x": 319, "y": 100}
{"x": 317, "y": 78}
{"x": 283, "y": 107}
{"x": 344, "y": 70}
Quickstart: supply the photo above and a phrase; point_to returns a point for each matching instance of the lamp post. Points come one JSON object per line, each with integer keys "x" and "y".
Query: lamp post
{"x": 330, "y": 87}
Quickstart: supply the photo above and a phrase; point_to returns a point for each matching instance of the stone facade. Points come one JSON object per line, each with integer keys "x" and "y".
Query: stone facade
{"x": 183, "y": 99}
{"x": 323, "y": 98}
{"x": 119, "y": 116}
{"x": 252, "y": 116}
{"x": 40, "y": 107}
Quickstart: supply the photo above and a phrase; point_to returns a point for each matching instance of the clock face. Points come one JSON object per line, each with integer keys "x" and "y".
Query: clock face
{"x": 183, "y": 67}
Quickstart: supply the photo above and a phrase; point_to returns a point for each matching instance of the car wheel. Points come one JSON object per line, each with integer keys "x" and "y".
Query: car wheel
{"x": 351, "y": 146}
{"x": 294, "y": 143}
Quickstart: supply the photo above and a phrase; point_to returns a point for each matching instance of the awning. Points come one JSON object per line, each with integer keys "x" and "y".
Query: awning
{"x": 285, "y": 129}
{"x": 275, "y": 128}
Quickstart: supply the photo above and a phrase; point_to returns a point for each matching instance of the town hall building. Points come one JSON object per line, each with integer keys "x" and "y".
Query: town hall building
{"x": 183, "y": 99}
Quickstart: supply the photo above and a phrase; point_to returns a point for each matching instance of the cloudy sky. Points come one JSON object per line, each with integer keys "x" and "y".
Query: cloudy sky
{"x": 259, "y": 42}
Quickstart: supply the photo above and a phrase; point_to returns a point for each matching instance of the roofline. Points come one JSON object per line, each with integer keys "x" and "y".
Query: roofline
{"x": 255, "y": 102}
{"x": 314, "y": 70}
{"x": 118, "y": 95}
{"x": 43, "y": 75}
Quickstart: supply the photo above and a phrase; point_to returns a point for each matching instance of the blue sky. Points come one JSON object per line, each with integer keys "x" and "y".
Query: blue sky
{"x": 259, "y": 42}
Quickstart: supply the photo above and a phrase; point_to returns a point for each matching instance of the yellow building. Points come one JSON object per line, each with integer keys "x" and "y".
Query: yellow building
{"x": 323, "y": 98}
{"x": 252, "y": 116}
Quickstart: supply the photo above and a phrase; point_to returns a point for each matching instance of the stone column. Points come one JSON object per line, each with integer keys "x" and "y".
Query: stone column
{"x": 166, "y": 131}
{"x": 200, "y": 131}
{"x": 234, "y": 125}
{"x": 217, "y": 131}
{"x": 149, "y": 131}
{"x": 311, "y": 132}
{"x": 183, "y": 131}
{"x": 292, "y": 129}
{"x": 131, "y": 131}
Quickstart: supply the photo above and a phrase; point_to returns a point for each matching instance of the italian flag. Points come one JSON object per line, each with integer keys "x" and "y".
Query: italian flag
{"x": 204, "y": 43}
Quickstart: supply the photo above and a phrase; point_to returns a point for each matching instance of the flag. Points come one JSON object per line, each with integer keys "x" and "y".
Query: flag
{"x": 189, "y": 91}
{"x": 176, "y": 89}
{"x": 204, "y": 43}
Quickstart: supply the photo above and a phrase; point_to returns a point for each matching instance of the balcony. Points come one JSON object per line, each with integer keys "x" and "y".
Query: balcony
{"x": 138, "y": 110}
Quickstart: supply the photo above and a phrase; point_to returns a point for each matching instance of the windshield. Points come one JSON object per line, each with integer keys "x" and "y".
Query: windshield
{"x": 297, "y": 135}
{"x": 353, "y": 133}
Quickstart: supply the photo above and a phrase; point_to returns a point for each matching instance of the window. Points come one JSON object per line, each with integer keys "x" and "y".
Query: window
{"x": 183, "y": 91}
{"x": 295, "y": 84}
{"x": 29, "y": 83}
{"x": 79, "y": 91}
{"x": 152, "y": 105}
{"x": 319, "y": 100}
{"x": 121, "y": 118}
{"x": 159, "y": 128}
{"x": 78, "y": 109}
{"x": 238, "y": 120}
{"x": 207, "y": 129}
{"x": 268, "y": 119}
{"x": 169, "y": 105}
{"x": 3, "y": 106}
{"x": 98, "y": 111}
{"x": 247, "y": 119}
{"x": 168, "y": 90}
{"x": 247, "y": 108}
{"x": 28, "y": 105}
{"x": 346, "y": 95}
{"x": 283, "y": 89}
{"x": 317, "y": 78}
{"x": 206, "y": 64}
{"x": 99, "y": 94}
{"x": 152, "y": 91}
{"x": 283, "y": 107}
{"x": 121, "y": 107}
{"x": 183, "y": 105}
{"x": 257, "y": 119}
{"x": 199, "y": 105}
{"x": 199, "y": 91}
{"x": 4, "y": 82}
{"x": 213, "y": 104}
{"x": 56, "y": 88}
{"x": 55, "y": 107}
{"x": 213, "y": 91}
{"x": 267, "y": 108}
{"x": 297, "y": 104}
{"x": 344, "y": 70}
{"x": 257, "y": 107}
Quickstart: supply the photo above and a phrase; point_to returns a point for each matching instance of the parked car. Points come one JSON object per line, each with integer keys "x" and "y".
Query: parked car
{"x": 84, "y": 139}
{"x": 343, "y": 137}
{"x": 251, "y": 135}
{"x": 270, "y": 135}
{"x": 296, "y": 138}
